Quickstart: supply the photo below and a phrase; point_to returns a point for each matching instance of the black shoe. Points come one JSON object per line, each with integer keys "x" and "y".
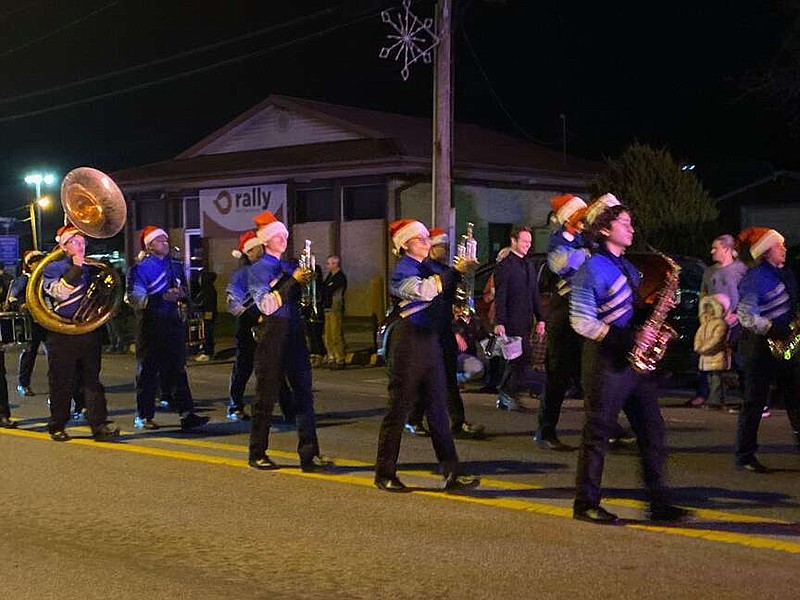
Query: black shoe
{"x": 597, "y": 515}
{"x": 460, "y": 483}
{"x": 416, "y": 429}
{"x": 264, "y": 463}
{"x": 624, "y": 442}
{"x": 60, "y": 436}
{"x": 6, "y": 423}
{"x": 193, "y": 421}
{"x": 24, "y": 390}
{"x": 551, "y": 443}
{"x": 390, "y": 484}
{"x": 667, "y": 513}
{"x": 753, "y": 466}
{"x": 468, "y": 431}
{"x": 318, "y": 463}
{"x": 108, "y": 432}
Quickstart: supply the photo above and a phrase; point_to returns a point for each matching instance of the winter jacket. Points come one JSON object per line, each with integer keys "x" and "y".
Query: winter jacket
{"x": 711, "y": 339}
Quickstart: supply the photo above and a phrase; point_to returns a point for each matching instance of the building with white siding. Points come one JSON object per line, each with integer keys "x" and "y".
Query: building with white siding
{"x": 337, "y": 175}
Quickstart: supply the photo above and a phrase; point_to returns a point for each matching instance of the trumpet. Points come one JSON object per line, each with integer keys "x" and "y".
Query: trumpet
{"x": 308, "y": 299}
{"x": 467, "y": 249}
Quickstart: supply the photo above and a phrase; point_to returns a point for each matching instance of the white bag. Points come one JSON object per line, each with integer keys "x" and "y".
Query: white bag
{"x": 510, "y": 346}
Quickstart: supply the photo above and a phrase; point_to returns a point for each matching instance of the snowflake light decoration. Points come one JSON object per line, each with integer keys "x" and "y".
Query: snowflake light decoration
{"x": 413, "y": 38}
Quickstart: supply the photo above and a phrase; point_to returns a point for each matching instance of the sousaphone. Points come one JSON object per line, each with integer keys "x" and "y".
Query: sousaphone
{"x": 94, "y": 204}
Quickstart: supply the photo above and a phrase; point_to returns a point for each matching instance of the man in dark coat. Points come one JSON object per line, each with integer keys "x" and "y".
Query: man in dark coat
{"x": 516, "y": 307}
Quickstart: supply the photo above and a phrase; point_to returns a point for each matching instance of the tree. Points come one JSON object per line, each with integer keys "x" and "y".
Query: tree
{"x": 672, "y": 212}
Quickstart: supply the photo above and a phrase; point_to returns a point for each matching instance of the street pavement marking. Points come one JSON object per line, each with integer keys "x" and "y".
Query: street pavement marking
{"x": 524, "y": 505}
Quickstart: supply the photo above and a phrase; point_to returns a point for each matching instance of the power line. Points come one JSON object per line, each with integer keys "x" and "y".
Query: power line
{"x": 58, "y": 30}
{"x": 185, "y": 74}
{"x": 18, "y": 9}
{"x": 163, "y": 60}
{"x": 496, "y": 96}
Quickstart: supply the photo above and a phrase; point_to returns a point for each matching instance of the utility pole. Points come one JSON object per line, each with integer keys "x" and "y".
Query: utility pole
{"x": 442, "y": 210}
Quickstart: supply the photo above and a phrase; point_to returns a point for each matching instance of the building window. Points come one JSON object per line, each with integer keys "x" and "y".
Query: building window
{"x": 150, "y": 212}
{"x": 315, "y": 205}
{"x": 191, "y": 212}
{"x": 364, "y": 202}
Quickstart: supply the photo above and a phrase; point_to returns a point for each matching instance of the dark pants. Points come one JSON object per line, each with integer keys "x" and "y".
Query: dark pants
{"x": 245, "y": 345}
{"x": 455, "y": 403}
{"x": 207, "y": 346}
{"x": 70, "y": 357}
{"x": 514, "y": 374}
{"x": 282, "y": 357}
{"x": 563, "y": 365}
{"x": 615, "y": 388}
{"x": 760, "y": 370}
{"x": 5, "y": 409}
{"x": 416, "y": 370}
{"x": 161, "y": 363}
{"x": 27, "y": 358}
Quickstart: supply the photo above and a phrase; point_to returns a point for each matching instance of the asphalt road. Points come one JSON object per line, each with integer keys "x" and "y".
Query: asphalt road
{"x": 172, "y": 515}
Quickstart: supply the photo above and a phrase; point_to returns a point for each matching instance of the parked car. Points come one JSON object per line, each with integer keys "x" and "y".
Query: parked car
{"x": 679, "y": 359}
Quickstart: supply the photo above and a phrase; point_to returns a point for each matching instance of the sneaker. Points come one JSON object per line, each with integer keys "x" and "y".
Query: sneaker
{"x": 765, "y": 414}
{"x": 60, "y": 436}
{"x": 140, "y": 423}
{"x": 7, "y": 423}
{"x": 202, "y": 358}
{"x": 753, "y": 466}
{"x": 505, "y": 402}
{"x": 237, "y": 414}
{"x": 318, "y": 463}
{"x": 460, "y": 483}
{"x": 265, "y": 463}
{"x": 667, "y": 513}
{"x": 193, "y": 421}
{"x": 24, "y": 390}
{"x": 469, "y": 431}
{"x": 416, "y": 429}
{"x": 596, "y": 514}
{"x": 107, "y": 432}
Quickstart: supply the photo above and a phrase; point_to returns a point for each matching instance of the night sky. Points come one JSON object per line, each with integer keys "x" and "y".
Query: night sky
{"x": 669, "y": 74}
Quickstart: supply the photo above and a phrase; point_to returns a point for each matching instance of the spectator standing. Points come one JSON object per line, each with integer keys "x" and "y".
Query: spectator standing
{"x": 334, "y": 288}
{"x": 516, "y": 310}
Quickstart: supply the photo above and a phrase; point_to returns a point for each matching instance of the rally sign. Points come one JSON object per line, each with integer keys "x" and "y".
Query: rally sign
{"x": 226, "y": 211}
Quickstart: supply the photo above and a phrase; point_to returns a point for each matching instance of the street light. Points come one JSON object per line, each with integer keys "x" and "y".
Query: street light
{"x": 36, "y": 180}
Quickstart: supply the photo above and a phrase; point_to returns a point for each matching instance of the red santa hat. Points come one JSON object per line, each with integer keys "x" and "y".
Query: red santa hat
{"x": 404, "y": 230}
{"x": 247, "y": 241}
{"x": 149, "y": 233}
{"x": 760, "y": 239}
{"x": 439, "y": 237}
{"x": 65, "y": 232}
{"x": 565, "y": 205}
{"x": 599, "y": 206}
{"x": 268, "y": 226}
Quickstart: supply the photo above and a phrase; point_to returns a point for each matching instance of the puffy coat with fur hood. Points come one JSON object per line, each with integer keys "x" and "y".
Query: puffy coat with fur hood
{"x": 711, "y": 339}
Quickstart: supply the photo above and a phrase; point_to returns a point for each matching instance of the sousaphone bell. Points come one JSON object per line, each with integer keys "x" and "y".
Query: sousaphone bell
{"x": 95, "y": 205}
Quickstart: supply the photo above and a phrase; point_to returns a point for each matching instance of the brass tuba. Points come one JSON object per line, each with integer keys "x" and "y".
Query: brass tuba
{"x": 94, "y": 204}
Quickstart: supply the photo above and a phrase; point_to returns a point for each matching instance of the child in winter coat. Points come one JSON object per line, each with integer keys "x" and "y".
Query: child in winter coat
{"x": 712, "y": 344}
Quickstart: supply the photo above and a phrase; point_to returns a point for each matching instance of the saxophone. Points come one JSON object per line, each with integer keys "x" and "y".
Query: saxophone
{"x": 786, "y": 348}
{"x": 467, "y": 249}
{"x": 643, "y": 357}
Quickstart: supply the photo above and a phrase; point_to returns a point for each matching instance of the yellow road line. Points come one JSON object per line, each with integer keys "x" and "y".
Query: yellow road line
{"x": 524, "y": 505}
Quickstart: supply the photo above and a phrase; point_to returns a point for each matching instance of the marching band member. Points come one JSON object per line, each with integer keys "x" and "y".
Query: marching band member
{"x": 768, "y": 303}
{"x": 16, "y": 301}
{"x": 240, "y": 305}
{"x": 155, "y": 290}
{"x": 70, "y": 356}
{"x": 416, "y": 363}
{"x": 437, "y": 260}
{"x": 602, "y": 311}
{"x": 281, "y": 352}
{"x": 565, "y": 255}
